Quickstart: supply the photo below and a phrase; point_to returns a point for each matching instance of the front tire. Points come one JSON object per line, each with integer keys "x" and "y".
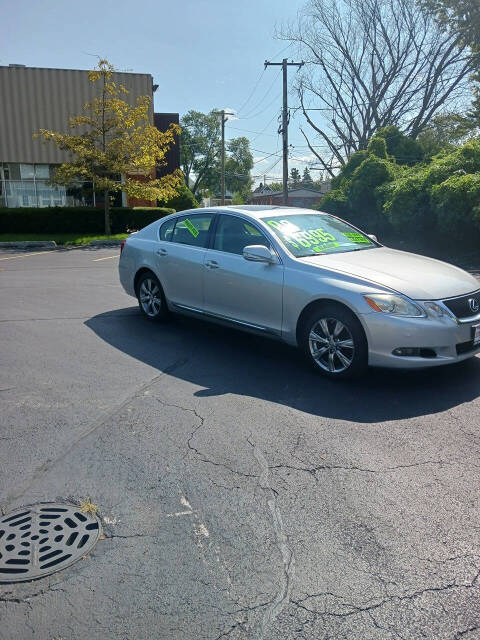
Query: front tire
{"x": 334, "y": 342}
{"x": 151, "y": 298}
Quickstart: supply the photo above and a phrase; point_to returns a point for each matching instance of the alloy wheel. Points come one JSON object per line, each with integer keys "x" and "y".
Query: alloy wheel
{"x": 150, "y": 297}
{"x": 331, "y": 345}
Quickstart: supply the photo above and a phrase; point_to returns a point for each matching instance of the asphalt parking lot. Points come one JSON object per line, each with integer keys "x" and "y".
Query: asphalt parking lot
{"x": 241, "y": 495}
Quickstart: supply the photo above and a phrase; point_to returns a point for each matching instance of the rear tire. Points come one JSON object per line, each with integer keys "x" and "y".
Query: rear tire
{"x": 151, "y": 298}
{"x": 334, "y": 343}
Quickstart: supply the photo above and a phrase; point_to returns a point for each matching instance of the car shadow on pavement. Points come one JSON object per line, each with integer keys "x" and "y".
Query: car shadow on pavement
{"x": 224, "y": 361}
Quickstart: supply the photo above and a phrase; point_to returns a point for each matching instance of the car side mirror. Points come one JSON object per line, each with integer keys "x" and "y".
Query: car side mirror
{"x": 372, "y": 236}
{"x": 259, "y": 253}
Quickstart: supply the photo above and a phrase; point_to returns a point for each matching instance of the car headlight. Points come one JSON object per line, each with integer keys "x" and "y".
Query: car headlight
{"x": 435, "y": 309}
{"x": 395, "y": 305}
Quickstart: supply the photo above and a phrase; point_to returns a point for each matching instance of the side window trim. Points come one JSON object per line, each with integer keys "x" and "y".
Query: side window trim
{"x": 213, "y": 230}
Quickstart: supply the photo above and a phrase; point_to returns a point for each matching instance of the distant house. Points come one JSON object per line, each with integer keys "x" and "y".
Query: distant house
{"x": 216, "y": 200}
{"x": 263, "y": 190}
{"x": 304, "y": 197}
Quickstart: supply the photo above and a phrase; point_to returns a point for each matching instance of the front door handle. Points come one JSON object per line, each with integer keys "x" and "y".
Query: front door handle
{"x": 212, "y": 264}
{"x": 161, "y": 252}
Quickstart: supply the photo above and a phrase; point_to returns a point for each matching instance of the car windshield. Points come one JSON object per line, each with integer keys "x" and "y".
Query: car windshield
{"x": 313, "y": 234}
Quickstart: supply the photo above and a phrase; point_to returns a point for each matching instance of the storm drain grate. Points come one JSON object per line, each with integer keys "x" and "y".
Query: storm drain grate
{"x": 44, "y": 538}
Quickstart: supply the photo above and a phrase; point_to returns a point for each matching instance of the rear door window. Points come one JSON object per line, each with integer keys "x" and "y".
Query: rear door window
{"x": 193, "y": 229}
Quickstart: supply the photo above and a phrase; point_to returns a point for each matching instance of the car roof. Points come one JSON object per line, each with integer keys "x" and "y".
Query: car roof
{"x": 260, "y": 211}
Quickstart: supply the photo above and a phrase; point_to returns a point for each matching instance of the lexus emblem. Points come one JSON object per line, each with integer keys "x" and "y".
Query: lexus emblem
{"x": 474, "y": 304}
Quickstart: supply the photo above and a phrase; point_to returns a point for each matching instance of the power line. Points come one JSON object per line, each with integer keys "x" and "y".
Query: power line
{"x": 240, "y": 109}
{"x": 251, "y": 93}
{"x": 248, "y": 116}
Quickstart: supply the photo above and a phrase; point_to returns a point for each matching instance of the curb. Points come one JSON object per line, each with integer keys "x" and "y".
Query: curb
{"x": 29, "y": 244}
{"x": 105, "y": 243}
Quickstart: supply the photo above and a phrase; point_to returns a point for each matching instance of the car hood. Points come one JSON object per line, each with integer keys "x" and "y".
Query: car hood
{"x": 415, "y": 276}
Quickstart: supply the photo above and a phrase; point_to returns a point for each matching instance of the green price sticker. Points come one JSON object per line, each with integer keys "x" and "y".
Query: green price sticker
{"x": 325, "y": 247}
{"x": 192, "y": 228}
{"x": 358, "y": 238}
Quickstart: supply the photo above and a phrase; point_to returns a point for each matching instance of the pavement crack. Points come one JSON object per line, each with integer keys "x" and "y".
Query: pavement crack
{"x": 323, "y": 467}
{"x": 461, "y": 634}
{"x": 226, "y": 633}
{"x": 418, "y": 464}
{"x": 282, "y": 597}
{"x": 354, "y": 609}
{"x": 27, "y": 599}
{"x": 133, "y": 535}
{"x": 201, "y": 456}
{"x": 337, "y": 467}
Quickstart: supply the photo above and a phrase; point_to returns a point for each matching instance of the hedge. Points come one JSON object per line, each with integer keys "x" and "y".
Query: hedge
{"x": 76, "y": 219}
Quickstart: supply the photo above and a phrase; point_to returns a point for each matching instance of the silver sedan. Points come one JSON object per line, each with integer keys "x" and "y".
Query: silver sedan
{"x": 307, "y": 278}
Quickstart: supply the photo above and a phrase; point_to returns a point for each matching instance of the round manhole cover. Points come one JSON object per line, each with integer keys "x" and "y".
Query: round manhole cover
{"x": 43, "y": 538}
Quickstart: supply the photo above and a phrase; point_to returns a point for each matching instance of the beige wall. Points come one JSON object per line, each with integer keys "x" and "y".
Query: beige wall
{"x": 33, "y": 98}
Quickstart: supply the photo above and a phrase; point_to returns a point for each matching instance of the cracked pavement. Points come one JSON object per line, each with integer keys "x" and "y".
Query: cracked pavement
{"x": 241, "y": 495}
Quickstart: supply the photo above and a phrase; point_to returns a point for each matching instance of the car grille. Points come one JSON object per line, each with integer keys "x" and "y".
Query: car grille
{"x": 465, "y": 347}
{"x": 460, "y": 307}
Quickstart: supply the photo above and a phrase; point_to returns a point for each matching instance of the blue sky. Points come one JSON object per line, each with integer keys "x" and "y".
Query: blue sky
{"x": 203, "y": 54}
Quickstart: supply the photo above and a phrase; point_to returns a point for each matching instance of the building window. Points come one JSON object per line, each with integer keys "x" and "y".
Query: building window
{"x": 42, "y": 171}
{"x": 27, "y": 171}
{"x": 27, "y": 185}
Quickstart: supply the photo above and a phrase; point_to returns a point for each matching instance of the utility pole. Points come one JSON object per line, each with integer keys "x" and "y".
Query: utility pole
{"x": 224, "y": 115}
{"x": 285, "y": 118}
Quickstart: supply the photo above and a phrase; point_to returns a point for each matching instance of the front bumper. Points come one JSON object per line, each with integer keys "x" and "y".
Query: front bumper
{"x": 439, "y": 335}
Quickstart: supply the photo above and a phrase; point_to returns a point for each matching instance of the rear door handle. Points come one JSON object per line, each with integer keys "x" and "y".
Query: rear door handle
{"x": 212, "y": 264}
{"x": 161, "y": 252}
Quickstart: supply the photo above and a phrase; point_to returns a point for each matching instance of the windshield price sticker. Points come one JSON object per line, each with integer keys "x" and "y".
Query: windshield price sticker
{"x": 192, "y": 228}
{"x": 358, "y": 238}
{"x": 321, "y": 248}
{"x": 311, "y": 238}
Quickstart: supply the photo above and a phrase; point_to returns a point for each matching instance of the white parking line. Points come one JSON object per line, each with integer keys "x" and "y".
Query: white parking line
{"x": 27, "y": 255}
{"x": 107, "y": 258}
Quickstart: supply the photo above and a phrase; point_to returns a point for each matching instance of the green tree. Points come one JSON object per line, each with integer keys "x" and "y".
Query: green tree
{"x": 461, "y": 16}
{"x": 358, "y": 191}
{"x": 401, "y": 147}
{"x": 199, "y": 150}
{"x": 295, "y": 178}
{"x": 200, "y": 156}
{"x": 238, "y": 198}
{"x": 183, "y": 200}
{"x": 238, "y": 164}
{"x": 462, "y": 19}
{"x": 370, "y": 64}
{"x": 439, "y": 198}
{"x": 456, "y": 203}
{"x": 445, "y": 133}
{"x": 276, "y": 186}
{"x": 307, "y": 178}
{"x": 115, "y": 139}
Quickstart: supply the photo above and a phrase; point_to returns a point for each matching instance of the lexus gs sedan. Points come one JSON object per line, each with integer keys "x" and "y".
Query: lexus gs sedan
{"x": 308, "y": 278}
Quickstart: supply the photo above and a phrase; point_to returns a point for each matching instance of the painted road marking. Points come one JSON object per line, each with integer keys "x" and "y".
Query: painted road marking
{"x": 107, "y": 258}
{"x": 27, "y": 255}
